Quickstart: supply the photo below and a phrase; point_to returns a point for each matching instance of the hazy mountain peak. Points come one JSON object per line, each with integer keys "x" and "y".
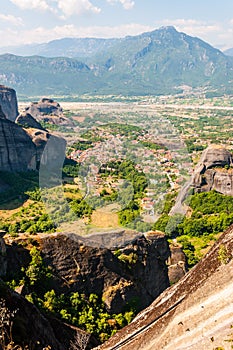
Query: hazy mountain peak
{"x": 157, "y": 62}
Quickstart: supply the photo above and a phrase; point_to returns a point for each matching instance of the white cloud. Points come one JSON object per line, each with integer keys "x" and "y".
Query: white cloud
{"x": 192, "y": 27}
{"x": 41, "y": 34}
{"x": 15, "y": 21}
{"x": 32, "y": 4}
{"x": 66, "y": 7}
{"x": 214, "y": 33}
{"x": 78, "y": 7}
{"x": 127, "y": 4}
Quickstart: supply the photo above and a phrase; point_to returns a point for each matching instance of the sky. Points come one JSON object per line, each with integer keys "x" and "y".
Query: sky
{"x": 39, "y": 21}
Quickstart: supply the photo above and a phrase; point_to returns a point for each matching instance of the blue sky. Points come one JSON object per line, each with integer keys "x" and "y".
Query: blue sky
{"x": 37, "y": 21}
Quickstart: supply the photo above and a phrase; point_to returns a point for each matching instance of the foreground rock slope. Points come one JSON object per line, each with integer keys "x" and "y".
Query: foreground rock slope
{"x": 196, "y": 313}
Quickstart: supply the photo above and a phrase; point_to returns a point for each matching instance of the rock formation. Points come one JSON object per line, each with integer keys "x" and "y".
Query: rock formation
{"x": 195, "y": 313}
{"x": 17, "y": 151}
{"x": 133, "y": 269}
{"x": 55, "y": 149}
{"x": 3, "y": 260}
{"x": 49, "y": 111}
{"x": 129, "y": 269}
{"x": 213, "y": 172}
{"x": 177, "y": 264}
{"x": 27, "y": 121}
{"x": 8, "y": 102}
{"x": 22, "y": 146}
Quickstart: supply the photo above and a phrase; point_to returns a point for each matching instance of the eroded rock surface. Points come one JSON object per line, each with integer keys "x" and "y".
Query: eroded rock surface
{"x": 133, "y": 269}
{"x": 17, "y": 151}
{"x": 214, "y": 171}
{"x": 26, "y": 120}
{"x": 8, "y": 102}
{"x": 49, "y": 111}
{"x": 177, "y": 264}
{"x": 195, "y": 313}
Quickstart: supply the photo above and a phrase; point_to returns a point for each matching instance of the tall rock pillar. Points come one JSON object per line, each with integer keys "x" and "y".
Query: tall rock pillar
{"x": 8, "y": 102}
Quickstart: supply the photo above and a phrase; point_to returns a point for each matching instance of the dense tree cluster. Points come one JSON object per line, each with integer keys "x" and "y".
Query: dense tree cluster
{"x": 131, "y": 191}
{"x": 212, "y": 213}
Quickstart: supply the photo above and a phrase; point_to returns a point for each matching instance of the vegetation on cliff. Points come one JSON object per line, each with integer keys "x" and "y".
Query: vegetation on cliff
{"x": 211, "y": 214}
{"x": 87, "y": 312}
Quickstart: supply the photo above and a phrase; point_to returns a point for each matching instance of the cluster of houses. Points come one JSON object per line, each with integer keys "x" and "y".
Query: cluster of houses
{"x": 153, "y": 162}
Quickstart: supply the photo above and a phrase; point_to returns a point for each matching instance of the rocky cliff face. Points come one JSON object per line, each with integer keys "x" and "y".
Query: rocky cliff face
{"x": 133, "y": 269}
{"x": 8, "y": 102}
{"x": 213, "y": 172}
{"x": 17, "y": 151}
{"x": 177, "y": 264}
{"x": 3, "y": 260}
{"x": 21, "y": 148}
{"x": 196, "y": 313}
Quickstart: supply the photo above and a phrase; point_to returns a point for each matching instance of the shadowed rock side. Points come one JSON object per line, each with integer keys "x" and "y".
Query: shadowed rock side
{"x": 196, "y": 313}
{"x": 17, "y": 151}
{"x": 136, "y": 269}
{"x": 8, "y": 102}
{"x": 3, "y": 261}
{"x": 213, "y": 172}
{"x": 31, "y": 328}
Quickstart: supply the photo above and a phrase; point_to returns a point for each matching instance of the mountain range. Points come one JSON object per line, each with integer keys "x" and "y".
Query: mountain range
{"x": 163, "y": 61}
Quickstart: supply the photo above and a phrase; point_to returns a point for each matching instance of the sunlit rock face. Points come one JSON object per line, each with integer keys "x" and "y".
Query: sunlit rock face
{"x": 214, "y": 171}
{"x": 195, "y": 313}
{"x": 48, "y": 111}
